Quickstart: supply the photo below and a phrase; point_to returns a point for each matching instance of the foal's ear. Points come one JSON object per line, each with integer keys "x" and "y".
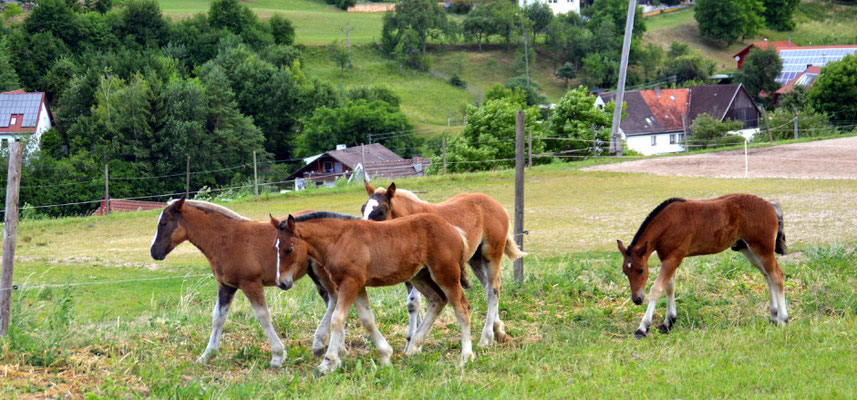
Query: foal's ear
{"x": 391, "y": 190}
{"x": 179, "y": 203}
{"x": 274, "y": 222}
{"x": 290, "y": 223}
{"x": 369, "y": 189}
{"x": 621, "y": 246}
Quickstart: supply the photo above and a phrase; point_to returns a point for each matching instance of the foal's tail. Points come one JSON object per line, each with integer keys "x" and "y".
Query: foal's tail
{"x": 464, "y": 254}
{"x": 512, "y": 251}
{"x": 781, "y": 247}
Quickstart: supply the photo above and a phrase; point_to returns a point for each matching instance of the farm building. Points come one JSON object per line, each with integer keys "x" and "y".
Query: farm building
{"x": 557, "y": 6}
{"x": 324, "y": 169}
{"x": 23, "y": 115}
{"x": 798, "y": 59}
{"x": 654, "y": 117}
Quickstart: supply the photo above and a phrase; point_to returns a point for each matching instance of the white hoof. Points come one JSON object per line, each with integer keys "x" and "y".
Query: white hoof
{"x": 328, "y": 365}
{"x": 203, "y": 359}
{"x": 487, "y": 338}
{"x": 465, "y": 358}
{"x": 413, "y": 350}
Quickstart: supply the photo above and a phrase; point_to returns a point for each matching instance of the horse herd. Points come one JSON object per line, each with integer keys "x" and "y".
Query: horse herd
{"x": 402, "y": 239}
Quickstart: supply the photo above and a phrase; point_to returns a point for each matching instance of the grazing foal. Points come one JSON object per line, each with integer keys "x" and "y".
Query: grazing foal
{"x": 679, "y": 228}
{"x": 485, "y": 224}
{"x": 357, "y": 254}
{"x": 238, "y": 251}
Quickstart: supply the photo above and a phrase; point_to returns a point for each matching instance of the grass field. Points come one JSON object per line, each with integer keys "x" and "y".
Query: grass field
{"x": 316, "y": 22}
{"x": 570, "y": 320}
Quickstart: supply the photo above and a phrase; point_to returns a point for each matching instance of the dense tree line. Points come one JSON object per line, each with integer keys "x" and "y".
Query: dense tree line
{"x": 130, "y": 88}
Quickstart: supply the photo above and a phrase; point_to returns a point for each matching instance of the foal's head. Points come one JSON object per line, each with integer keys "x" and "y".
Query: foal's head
{"x": 635, "y": 265}
{"x": 171, "y": 231}
{"x": 291, "y": 252}
{"x": 380, "y": 204}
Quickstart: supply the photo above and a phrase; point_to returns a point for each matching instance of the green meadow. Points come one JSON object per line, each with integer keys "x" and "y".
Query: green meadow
{"x": 132, "y": 327}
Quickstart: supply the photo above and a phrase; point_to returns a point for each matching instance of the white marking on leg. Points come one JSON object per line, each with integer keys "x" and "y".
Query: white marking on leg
{"x": 218, "y": 319}
{"x": 650, "y": 312}
{"x": 331, "y": 359}
{"x": 434, "y": 308}
{"x": 277, "y": 348}
{"x": 369, "y": 207}
{"x": 413, "y": 315}
{"x": 367, "y": 318}
{"x": 782, "y": 313}
{"x": 322, "y": 333}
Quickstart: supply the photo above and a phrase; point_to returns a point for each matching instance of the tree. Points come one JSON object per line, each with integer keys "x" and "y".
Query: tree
{"x": 810, "y": 123}
{"x": 57, "y": 18}
{"x": 422, "y": 17}
{"x": 796, "y": 99}
{"x": 8, "y": 77}
{"x": 598, "y": 71}
{"x": 339, "y": 56}
{"x": 282, "y": 29}
{"x": 505, "y": 17}
{"x": 727, "y": 20}
{"x": 651, "y": 59}
{"x": 478, "y": 24}
{"x": 532, "y": 90}
{"x": 230, "y": 15}
{"x": 143, "y": 22}
{"x": 760, "y": 71}
{"x": 566, "y": 72}
{"x": 616, "y": 11}
{"x": 352, "y": 124}
{"x": 575, "y": 116}
{"x": 12, "y": 10}
{"x": 490, "y": 136}
{"x": 540, "y": 15}
{"x": 835, "y": 89}
{"x": 778, "y": 14}
{"x": 689, "y": 65}
{"x": 707, "y": 131}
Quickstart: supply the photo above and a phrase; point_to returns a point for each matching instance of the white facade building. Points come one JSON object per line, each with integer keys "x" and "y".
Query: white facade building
{"x": 558, "y": 6}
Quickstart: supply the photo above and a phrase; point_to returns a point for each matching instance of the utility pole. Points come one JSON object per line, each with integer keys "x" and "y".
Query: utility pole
{"x": 615, "y": 139}
{"x": 363, "y": 157}
{"x": 526, "y": 54}
{"x": 684, "y": 129}
{"x": 13, "y": 185}
{"x": 106, "y": 190}
{"x": 187, "y": 179}
{"x": 255, "y": 176}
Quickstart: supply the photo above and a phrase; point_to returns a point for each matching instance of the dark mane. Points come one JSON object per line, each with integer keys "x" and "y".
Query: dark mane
{"x": 323, "y": 214}
{"x": 649, "y": 219}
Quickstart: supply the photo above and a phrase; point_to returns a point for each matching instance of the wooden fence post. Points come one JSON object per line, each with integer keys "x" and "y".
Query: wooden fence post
{"x": 767, "y": 125}
{"x": 530, "y": 148}
{"x": 795, "y": 124}
{"x": 13, "y": 184}
{"x": 518, "y": 266}
{"x": 443, "y": 145}
{"x": 187, "y": 179}
{"x": 363, "y": 157}
{"x": 684, "y": 129}
{"x": 106, "y": 190}
{"x": 255, "y": 176}
{"x": 594, "y": 143}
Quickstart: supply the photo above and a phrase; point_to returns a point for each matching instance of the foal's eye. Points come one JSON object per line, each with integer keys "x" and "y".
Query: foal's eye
{"x": 640, "y": 271}
{"x": 289, "y": 250}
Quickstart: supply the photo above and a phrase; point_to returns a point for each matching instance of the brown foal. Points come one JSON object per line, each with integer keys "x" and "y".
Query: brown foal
{"x": 357, "y": 254}
{"x": 486, "y": 226}
{"x": 680, "y": 228}
{"x": 238, "y": 250}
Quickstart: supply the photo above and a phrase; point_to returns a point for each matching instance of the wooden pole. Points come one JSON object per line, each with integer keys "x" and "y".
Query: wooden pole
{"x": 518, "y": 266}
{"x": 594, "y": 143}
{"x": 443, "y": 146}
{"x": 106, "y": 189}
{"x": 530, "y": 148}
{"x": 187, "y": 179}
{"x": 255, "y": 176}
{"x": 767, "y": 125}
{"x": 795, "y": 124}
{"x": 13, "y": 184}
{"x": 684, "y": 129}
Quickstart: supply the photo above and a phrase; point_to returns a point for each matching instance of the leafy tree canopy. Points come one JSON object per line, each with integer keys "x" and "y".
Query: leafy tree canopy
{"x": 835, "y": 90}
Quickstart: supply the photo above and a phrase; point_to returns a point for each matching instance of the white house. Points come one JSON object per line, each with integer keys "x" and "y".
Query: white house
{"x": 558, "y": 6}
{"x": 23, "y": 115}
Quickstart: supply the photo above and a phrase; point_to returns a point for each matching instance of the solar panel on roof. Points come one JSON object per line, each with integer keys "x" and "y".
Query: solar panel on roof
{"x": 796, "y": 61}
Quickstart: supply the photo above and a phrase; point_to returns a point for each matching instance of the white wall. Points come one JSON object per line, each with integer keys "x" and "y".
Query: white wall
{"x": 643, "y": 144}
{"x": 558, "y": 6}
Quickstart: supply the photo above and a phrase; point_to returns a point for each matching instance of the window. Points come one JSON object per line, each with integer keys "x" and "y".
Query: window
{"x": 654, "y": 140}
{"x": 13, "y": 121}
{"x": 681, "y": 137}
{"x": 672, "y": 138}
{"x": 328, "y": 166}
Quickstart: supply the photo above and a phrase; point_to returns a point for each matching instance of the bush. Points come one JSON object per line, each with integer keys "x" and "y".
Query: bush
{"x": 456, "y": 81}
{"x": 709, "y": 132}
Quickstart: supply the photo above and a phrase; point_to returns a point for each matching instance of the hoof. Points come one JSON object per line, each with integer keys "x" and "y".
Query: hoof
{"x": 500, "y": 337}
{"x": 639, "y": 334}
{"x": 318, "y": 351}
{"x": 329, "y": 365}
{"x": 466, "y": 358}
{"x": 486, "y": 340}
{"x": 276, "y": 364}
{"x": 413, "y": 350}
{"x": 664, "y": 329}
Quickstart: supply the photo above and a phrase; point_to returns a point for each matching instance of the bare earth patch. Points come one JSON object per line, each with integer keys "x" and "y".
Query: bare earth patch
{"x": 824, "y": 159}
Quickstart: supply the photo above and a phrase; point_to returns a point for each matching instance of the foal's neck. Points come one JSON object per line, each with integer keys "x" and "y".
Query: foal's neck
{"x": 405, "y": 206}
{"x": 321, "y": 235}
{"x": 204, "y": 230}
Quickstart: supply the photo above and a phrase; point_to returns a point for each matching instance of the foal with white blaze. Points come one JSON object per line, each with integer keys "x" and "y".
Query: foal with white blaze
{"x": 679, "y": 228}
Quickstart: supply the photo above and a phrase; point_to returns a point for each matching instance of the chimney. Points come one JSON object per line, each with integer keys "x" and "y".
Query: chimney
{"x": 658, "y": 91}
{"x": 341, "y": 147}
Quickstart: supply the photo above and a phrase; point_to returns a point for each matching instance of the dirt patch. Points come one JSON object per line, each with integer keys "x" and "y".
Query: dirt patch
{"x": 823, "y": 159}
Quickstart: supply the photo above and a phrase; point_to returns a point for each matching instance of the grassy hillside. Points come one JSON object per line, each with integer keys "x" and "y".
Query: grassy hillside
{"x": 817, "y": 22}
{"x": 315, "y": 21}
{"x": 570, "y": 321}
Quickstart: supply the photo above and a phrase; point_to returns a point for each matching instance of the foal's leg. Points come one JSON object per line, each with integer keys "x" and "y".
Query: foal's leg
{"x": 668, "y": 267}
{"x": 322, "y": 333}
{"x": 436, "y": 301}
{"x": 672, "y": 313}
{"x": 413, "y": 310}
{"x": 346, "y": 293}
{"x": 772, "y": 305}
{"x": 462, "y": 313}
{"x": 256, "y": 294}
{"x": 777, "y": 285}
{"x": 225, "y": 294}
{"x": 491, "y": 258}
{"x": 367, "y": 318}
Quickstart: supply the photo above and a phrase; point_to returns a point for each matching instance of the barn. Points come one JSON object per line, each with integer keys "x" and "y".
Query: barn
{"x": 322, "y": 170}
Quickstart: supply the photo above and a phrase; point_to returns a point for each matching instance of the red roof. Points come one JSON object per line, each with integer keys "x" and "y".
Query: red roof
{"x": 667, "y": 106}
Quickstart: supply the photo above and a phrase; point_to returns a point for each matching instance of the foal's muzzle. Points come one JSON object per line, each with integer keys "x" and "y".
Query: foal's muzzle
{"x": 284, "y": 285}
{"x": 637, "y": 300}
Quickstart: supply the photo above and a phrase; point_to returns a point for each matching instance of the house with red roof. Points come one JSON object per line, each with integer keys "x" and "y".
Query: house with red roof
{"x": 23, "y": 115}
{"x": 657, "y": 120}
